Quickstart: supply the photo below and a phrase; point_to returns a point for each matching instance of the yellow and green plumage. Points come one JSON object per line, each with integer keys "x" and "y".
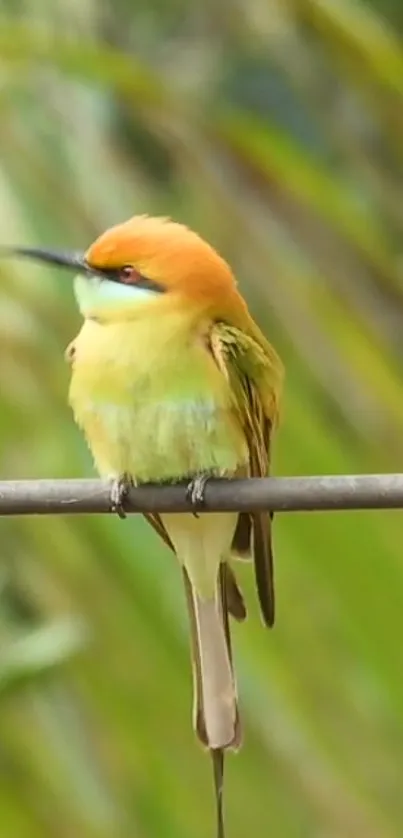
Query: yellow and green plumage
{"x": 151, "y": 399}
{"x": 172, "y": 379}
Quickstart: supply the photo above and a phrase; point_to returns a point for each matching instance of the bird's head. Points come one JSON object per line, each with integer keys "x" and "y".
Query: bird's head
{"x": 145, "y": 261}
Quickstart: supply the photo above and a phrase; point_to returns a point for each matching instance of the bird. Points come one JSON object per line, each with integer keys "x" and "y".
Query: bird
{"x": 173, "y": 381}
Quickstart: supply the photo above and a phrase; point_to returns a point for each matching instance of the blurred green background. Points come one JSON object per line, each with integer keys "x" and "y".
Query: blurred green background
{"x": 274, "y": 128}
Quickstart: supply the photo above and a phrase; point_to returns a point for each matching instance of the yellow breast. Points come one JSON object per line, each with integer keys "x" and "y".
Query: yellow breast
{"x": 152, "y": 402}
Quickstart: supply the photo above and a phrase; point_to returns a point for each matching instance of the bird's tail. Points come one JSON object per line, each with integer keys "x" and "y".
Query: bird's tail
{"x": 216, "y": 717}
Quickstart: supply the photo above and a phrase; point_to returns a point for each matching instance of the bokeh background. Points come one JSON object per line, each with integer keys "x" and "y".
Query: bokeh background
{"x": 275, "y": 129}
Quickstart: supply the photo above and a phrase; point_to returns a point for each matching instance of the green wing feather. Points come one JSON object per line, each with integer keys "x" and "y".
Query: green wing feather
{"x": 255, "y": 374}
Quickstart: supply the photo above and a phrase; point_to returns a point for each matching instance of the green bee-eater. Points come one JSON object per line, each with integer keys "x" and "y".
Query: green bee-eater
{"x": 173, "y": 380}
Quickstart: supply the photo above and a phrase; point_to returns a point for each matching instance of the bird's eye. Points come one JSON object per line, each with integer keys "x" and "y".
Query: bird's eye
{"x": 126, "y": 274}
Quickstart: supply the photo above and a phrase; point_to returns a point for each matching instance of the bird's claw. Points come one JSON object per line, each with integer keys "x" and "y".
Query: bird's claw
{"x": 195, "y": 492}
{"x": 119, "y": 491}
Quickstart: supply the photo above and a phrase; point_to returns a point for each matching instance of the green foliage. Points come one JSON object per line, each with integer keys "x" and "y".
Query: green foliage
{"x": 275, "y": 131}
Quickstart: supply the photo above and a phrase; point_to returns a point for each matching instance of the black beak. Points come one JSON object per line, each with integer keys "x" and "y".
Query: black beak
{"x": 75, "y": 262}
{"x": 72, "y": 261}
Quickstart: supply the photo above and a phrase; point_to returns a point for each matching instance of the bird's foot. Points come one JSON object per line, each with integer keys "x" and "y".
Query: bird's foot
{"x": 195, "y": 492}
{"x": 120, "y": 488}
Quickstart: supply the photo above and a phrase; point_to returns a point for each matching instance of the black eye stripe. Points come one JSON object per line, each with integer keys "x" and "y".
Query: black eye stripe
{"x": 115, "y": 275}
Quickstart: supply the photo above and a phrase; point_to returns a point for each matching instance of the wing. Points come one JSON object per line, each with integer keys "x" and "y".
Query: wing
{"x": 255, "y": 373}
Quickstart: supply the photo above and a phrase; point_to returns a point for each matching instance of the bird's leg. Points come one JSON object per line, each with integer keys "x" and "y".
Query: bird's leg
{"x": 195, "y": 491}
{"x": 120, "y": 488}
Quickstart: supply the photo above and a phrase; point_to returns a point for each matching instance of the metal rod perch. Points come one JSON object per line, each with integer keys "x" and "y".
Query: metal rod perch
{"x": 279, "y": 494}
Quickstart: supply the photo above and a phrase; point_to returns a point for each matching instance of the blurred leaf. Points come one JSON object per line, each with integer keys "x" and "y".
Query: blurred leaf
{"x": 28, "y": 658}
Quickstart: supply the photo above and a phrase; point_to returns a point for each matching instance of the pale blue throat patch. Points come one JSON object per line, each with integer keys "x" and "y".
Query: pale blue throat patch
{"x": 95, "y": 292}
